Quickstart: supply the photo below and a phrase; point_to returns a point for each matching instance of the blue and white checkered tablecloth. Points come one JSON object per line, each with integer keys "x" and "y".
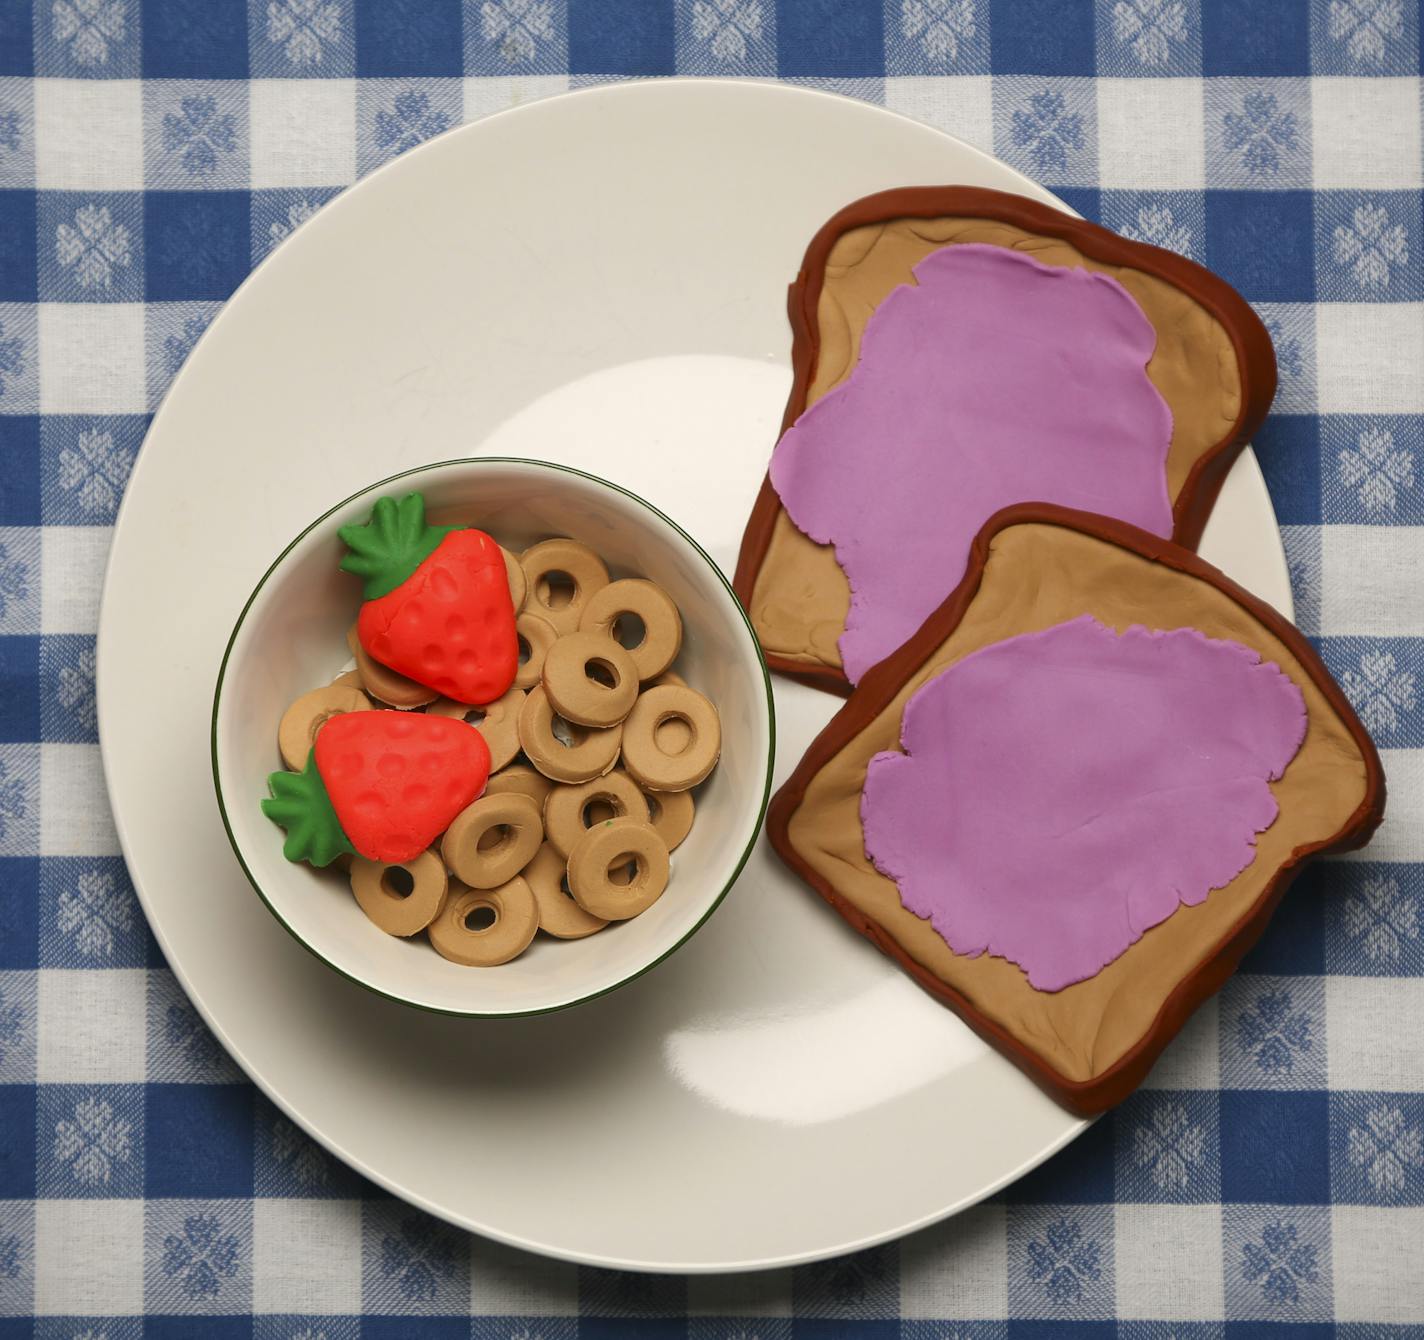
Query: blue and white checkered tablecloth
{"x": 152, "y": 151}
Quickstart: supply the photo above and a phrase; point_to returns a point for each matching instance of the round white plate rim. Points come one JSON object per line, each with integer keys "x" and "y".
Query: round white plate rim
{"x": 250, "y": 1065}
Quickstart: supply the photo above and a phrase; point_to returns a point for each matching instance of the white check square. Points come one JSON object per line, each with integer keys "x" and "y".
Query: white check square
{"x": 1151, "y": 134}
{"x": 1374, "y": 1034}
{"x": 92, "y": 1026}
{"x": 957, "y": 1270}
{"x": 1366, "y": 133}
{"x": 963, "y": 107}
{"x": 73, "y": 560}
{"x": 1187, "y": 1235}
{"x": 91, "y": 358}
{"x": 88, "y": 134}
{"x": 302, "y": 1255}
{"x": 303, "y": 132}
{"x": 75, "y": 819}
{"x": 1368, "y": 357}
{"x": 88, "y": 1256}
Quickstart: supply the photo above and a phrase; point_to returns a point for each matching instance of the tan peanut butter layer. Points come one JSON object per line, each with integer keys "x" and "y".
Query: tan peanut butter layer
{"x": 1039, "y": 575}
{"x": 800, "y": 600}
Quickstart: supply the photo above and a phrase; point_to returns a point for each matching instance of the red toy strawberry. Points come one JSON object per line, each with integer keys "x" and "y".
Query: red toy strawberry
{"x": 437, "y": 609}
{"x": 382, "y": 784}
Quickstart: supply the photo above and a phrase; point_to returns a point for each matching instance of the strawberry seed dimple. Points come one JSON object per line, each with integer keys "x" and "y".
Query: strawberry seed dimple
{"x": 455, "y": 626}
{"x": 401, "y": 727}
{"x": 390, "y": 765}
{"x": 467, "y": 662}
{"x": 368, "y": 802}
{"x": 443, "y": 586}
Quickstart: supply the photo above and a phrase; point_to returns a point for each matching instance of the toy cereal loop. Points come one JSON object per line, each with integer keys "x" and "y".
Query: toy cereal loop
{"x": 672, "y": 815}
{"x": 592, "y": 754}
{"x": 498, "y": 722}
{"x": 607, "y": 848}
{"x": 590, "y": 679}
{"x": 576, "y": 561}
{"x": 662, "y": 624}
{"x": 383, "y": 683}
{"x": 538, "y": 634}
{"x": 518, "y": 582}
{"x": 559, "y": 915}
{"x": 379, "y": 892}
{"x": 567, "y": 810}
{"x": 518, "y": 829}
{"x": 645, "y": 755}
{"x": 300, "y": 722}
{"x": 510, "y": 915}
{"x": 520, "y": 780}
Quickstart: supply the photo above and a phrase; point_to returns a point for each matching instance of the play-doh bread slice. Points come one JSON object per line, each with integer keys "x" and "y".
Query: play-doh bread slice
{"x": 955, "y": 351}
{"x": 1071, "y": 802}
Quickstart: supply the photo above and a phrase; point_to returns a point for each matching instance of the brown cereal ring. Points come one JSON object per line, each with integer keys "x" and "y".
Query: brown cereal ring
{"x": 575, "y": 561}
{"x": 300, "y": 722}
{"x": 669, "y": 677}
{"x": 401, "y": 899}
{"x": 518, "y": 582}
{"x": 518, "y": 829}
{"x": 520, "y": 780}
{"x": 672, "y": 814}
{"x": 380, "y": 681}
{"x": 559, "y": 915}
{"x": 347, "y": 679}
{"x": 662, "y": 624}
{"x": 510, "y": 917}
{"x": 604, "y": 849}
{"x": 498, "y": 722}
{"x": 592, "y": 753}
{"x": 654, "y": 762}
{"x": 569, "y": 679}
{"x": 538, "y": 634}
{"x": 566, "y": 811}
{"x": 675, "y": 735}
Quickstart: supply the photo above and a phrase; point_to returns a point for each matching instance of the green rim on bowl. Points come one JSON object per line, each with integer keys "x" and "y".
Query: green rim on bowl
{"x": 736, "y": 604}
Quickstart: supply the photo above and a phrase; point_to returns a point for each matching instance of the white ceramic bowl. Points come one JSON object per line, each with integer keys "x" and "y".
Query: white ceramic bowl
{"x": 290, "y": 637}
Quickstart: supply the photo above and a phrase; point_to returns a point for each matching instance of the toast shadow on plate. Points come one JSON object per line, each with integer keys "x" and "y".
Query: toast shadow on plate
{"x": 1033, "y": 567}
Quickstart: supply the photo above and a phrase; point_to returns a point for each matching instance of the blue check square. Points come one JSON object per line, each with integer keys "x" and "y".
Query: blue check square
{"x": 1255, "y": 37}
{"x": 17, "y": 52}
{"x": 198, "y": 244}
{"x": 824, "y": 38}
{"x": 624, "y": 37}
{"x": 1043, "y": 37}
{"x": 1294, "y": 940}
{"x": 19, "y": 469}
{"x": 1275, "y": 1147}
{"x": 201, "y": 1137}
{"x": 17, "y": 1147}
{"x": 400, "y": 39}
{"x": 187, "y": 41}
{"x": 1288, "y": 449}
{"x": 1175, "y": 220}
{"x": 19, "y": 271}
{"x": 411, "y": 1263}
{"x": 19, "y": 689}
{"x": 1384, "y": 681}
{"x": 1263, "y": 243}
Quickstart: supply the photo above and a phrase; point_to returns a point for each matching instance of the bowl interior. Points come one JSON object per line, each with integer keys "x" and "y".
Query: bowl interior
{"x": 291, "y": 638}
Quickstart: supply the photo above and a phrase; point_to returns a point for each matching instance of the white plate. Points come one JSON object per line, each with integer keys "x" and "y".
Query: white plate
{"x": 600, "y": 280}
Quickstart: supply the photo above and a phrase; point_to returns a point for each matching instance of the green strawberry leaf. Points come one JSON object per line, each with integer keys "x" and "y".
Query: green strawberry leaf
{"x": 386, "y": 550}
{"x": 299, "y": 804}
